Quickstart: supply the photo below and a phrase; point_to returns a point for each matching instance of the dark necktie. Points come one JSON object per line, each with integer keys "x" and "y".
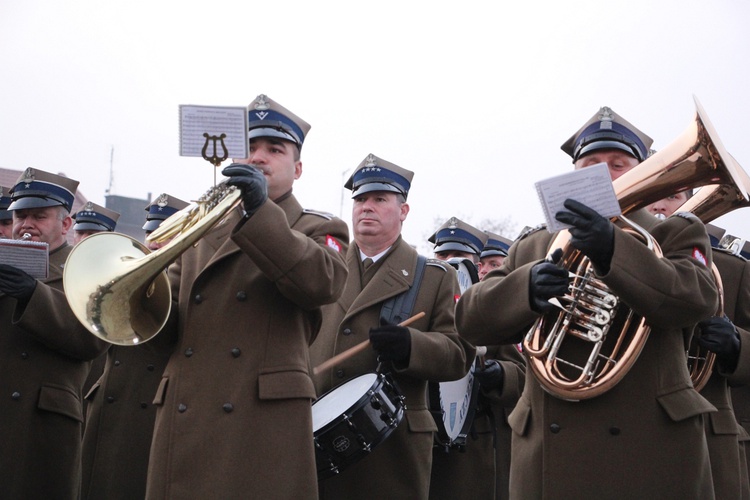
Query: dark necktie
{"x": 367, "y": 263}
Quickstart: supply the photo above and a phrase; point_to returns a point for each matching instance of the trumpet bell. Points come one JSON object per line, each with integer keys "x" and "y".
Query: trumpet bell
{"x": 120, "y": 303}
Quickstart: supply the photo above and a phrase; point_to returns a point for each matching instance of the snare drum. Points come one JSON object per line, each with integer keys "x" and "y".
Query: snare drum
{"x": 453, "y": 405}
{"x": 353, "y": 418}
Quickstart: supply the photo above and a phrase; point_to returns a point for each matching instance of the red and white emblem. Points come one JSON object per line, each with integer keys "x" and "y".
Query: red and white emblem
{"x": 331, "y": 242}
{"x": 698, "y": 255}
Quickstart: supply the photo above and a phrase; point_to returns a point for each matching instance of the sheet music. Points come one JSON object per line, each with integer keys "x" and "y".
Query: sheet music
{"x": 213, "y": 120}
{"x": 591, "y": 186}
{"x": 29, "y": 256}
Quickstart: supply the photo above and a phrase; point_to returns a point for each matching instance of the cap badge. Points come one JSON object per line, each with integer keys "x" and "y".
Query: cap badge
{"x": 605, "y": 118}
{"x": 89, "y": 207}
{"x": 370, "y": 161}
{"x": 453, "y": 223}
{"x": 262, "y": 104}
{"x": 28, "y": 177}
{"x": 162, "y": 200}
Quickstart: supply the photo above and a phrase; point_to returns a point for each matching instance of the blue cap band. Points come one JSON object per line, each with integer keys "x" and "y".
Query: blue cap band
{"x": 275, "y": 120}
{"x": 617, "y": 133}
{"x": 459, "y": 235}
{"x": 45, "y": 190}
{"x": 381, "y": 175}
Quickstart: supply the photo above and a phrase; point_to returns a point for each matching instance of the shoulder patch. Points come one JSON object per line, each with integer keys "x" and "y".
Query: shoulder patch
{"x": 530, "y": 230}
{"x": 325, "y": 215}
{"x": 687, "y": 215}
{"x": 437, "y": 263}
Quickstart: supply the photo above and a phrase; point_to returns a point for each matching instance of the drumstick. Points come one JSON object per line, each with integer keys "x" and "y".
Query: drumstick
{"x": 358, "y": 348}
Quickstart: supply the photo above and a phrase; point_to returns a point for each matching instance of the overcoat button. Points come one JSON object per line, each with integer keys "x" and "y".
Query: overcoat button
{"x": 150, "y": 368}
{"x": 16, "y": 396}
{"x": 554, "y": 428}
{"x": 236, "y": 352}
{"x": 144, "y": 405}
{"x": 188, "y": 352}
{"x": 228, "y": 407}
{"x": 181, "y": 408}
{"x": 110, "y": 399}
{"x": 198, "y": 299}
{"x": 340, "y": 373}
{"x": 241, "y": 296}
{"x": 24, "y": 355}
{"x": 615, "y": 431}
{"x": 347, "y": 331}
{"x": 117, "y": 363}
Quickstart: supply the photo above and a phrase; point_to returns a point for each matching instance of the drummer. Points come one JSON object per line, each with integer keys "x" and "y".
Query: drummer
{"x": 384, "y": 268}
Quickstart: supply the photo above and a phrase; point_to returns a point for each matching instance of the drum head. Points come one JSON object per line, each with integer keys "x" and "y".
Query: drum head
{"x": 338, "y": 400}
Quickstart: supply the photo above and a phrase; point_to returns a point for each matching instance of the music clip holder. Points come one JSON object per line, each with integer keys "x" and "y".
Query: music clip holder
{"x": 214, "y": 129}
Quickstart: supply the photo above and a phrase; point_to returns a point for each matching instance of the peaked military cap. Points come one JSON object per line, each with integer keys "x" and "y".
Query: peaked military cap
{"x": 38, "y": 189}
{"x": 376, "y": 174}
{"x": 267, "y": 118}
{"x": 5, "y": 214}
{"x": 608, "y": 130}
{"x": 715, "y": 233}
{"x": 455, "y": 234}
{"x": 495, "y": 245}
{"x": 93, "y": 217}
{"x": 161, "y": 209}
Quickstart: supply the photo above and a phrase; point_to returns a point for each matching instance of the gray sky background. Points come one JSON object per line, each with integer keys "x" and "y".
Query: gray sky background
{"x": 474, "y": 97}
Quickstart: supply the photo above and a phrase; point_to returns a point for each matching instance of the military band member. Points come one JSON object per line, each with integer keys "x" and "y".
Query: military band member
{"x": 643, "y": 437}
{"x": 493, "y": 254}
{"x": 120, "y": 413}
{"x": 667, "y": 206}
{"x": 45, "y": 352}
{"x": 382, "y": 266}
{"x": 234, "y": 414}
{"x": 92, "y": 219}
{"x": 6, "y": 217}
{"x": 481, "y": 468}
{"x": 457, "y": 239}
{"x": 725, "y": 335}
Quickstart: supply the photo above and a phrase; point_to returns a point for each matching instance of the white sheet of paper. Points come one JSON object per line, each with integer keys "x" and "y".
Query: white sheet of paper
{"x": 591, "y": 186}
{"x": 29, "y": 256}
{"x": 214, "y": 121}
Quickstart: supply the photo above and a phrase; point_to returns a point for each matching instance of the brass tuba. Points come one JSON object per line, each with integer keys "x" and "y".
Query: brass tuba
{"x": 710, "y": 203}
{"x": 588, "y": 346}
{"x": 118, "y": 289}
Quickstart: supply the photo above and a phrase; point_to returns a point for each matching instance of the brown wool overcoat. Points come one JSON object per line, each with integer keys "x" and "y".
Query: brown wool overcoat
{"x": 400, "y": 466}
{"x": 644, "y": 438}
{"x": 45, "y": 355}
{"x": 233, "y": 413}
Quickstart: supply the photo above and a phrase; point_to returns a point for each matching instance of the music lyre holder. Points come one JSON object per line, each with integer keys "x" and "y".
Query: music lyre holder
{"x": 214, "y": 159}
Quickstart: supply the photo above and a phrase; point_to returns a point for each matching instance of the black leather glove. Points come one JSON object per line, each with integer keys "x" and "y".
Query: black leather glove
{"x": 251, "y": 182}
{"x": 719, "y": 335}
{"x": 547, "y": 281}
{"x": 491, "y": 376}
{"x": 591, "y": 233}
{"x": 16, "y": 283}
{"x": 392, "y": 343}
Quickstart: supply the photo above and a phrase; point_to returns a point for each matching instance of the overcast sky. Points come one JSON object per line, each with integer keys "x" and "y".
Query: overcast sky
{"x": 474, "y": 97}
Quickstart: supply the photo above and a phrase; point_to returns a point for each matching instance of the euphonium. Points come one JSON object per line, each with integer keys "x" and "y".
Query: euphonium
{"x": 710, "y": 203}
{"x": 119, "y": 290}
{"x": 587, "y": 347}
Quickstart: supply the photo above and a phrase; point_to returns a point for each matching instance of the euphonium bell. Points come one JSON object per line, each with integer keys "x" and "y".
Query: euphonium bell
{"x": 118, "y": 290}
{"x": 588, "y": 346}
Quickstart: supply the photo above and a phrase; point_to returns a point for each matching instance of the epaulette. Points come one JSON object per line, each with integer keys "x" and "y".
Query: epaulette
{"x": 437, "y": 263}
{"x": 728, "y": 252}
{"x": 529, "y": 230}
{"x": 687, "y": 215}
{"x": 325, "y": 215}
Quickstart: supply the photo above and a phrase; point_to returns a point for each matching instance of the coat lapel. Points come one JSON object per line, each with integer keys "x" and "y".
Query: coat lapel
{"x": 395, "y": 276}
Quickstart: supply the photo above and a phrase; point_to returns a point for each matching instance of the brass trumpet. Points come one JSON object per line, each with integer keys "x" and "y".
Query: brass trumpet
{"x": 118, "y": 289}
{"x": 588, "y": 346}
